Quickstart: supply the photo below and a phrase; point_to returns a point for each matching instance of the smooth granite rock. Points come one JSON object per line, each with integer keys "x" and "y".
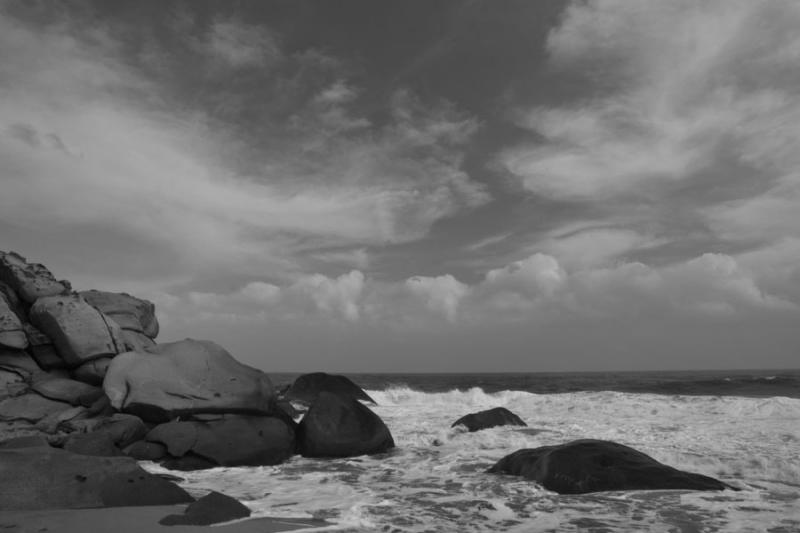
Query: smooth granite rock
{"x": 30, "y": 407}
{"x": 186, "y": 377}
{"x": 92, "y": 372}
{"x": 131, "y": 313}
{"x": 42, "y": 349}
{"x": 233, "y": 441}
{"x": 213, "y": 508}
{"x": 80, "y": 332}
{"x": 340, "y": 426}
{"x": 590, "y": 465}
{"x": 63, "y": 390}
{"x": 307, "y": 387}
{"x": 49, "y": 478}
{"x": 499, "y": 416}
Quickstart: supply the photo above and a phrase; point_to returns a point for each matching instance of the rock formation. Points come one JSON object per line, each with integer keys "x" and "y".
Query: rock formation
{"x": 339, "y": 426}
{"x": 499, "y": 416}
{"x": 186, "y": 377}
{"x": 591, "y": 465}
{"x": 307, "y": 387}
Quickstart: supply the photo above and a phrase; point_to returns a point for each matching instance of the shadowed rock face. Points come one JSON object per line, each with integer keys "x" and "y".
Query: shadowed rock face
{"x": 186, "y": 377}
{"x": 212, "y": 508}
{"x": 129, "y": 312}
{"x": 499, "y": 416}
{"x": 307, "y": 387}
{"x": 231, "y": 441}
{"x": 79, "y": 331}
{"x": 590, "y": 465}
{"x": 337, "y": 426}
{"x": 48, "y": 478}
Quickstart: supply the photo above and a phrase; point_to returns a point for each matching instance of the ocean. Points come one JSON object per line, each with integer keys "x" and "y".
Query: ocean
{"x": 742, "y": 427}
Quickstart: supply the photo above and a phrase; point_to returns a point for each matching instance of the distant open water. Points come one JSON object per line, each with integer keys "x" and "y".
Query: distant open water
{"x": 745, "y": 383}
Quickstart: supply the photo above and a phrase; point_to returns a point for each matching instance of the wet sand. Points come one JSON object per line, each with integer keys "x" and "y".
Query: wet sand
{"x": 135, "y": 520}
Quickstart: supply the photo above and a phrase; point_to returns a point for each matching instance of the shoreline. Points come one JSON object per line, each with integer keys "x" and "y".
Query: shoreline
{"x": 142, "y": 519}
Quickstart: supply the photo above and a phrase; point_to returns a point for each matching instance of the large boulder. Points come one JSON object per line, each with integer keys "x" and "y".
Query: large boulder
{"x": 340, "y": 426}
{"x": 233, "y": 440}
{"x": 129, "y": 312}
{"x": 42, "y": 348}
{"x": 30, "y": 407}
{"x": 589, "y": 465}
{"x": 64, "y": 390}
{"x": 92, "y": 372}
{"x": 48, "y": 478}
{"x": 307, "y": 387}
{"x": 185, "y": 377}
{"x": 20, "y": 363}
{"x": 12, "y": 335}
{"x": 79, "y": 331}
{"x": 29, "y": 280}
{"x": 213, "y": 508}
{"x": 499, "y": 416}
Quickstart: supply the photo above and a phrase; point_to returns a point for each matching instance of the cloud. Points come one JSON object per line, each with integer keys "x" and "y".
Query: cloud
{"x": 95, "y": 144}
{"x": 441, "y": 294}
{"x": 684, "y": 139}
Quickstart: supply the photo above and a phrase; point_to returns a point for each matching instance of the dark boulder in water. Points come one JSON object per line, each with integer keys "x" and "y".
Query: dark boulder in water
{"x": 499, "y": 416}
{"x": 589, "y": 465}
{"x": 307, "y": 387}
{"x": 212, "y": 508}
{"x": 338, "y": 426}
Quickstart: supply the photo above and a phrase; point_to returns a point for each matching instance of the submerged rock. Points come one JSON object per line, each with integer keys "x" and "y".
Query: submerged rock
{"x": 338, "y": 426}
{"x": 213, "y": 508}
{"x": 307, "y": 387}
{"x": 499, "y": 416}
{"x": 185, "y": 377}
{"x": 79, "y": 331}
{"x": 49, "y": 478}
{"x": 590, "y": 465}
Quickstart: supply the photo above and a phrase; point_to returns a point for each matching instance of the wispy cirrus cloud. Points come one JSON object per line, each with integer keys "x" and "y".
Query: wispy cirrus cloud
{"x": 89, "y": 140}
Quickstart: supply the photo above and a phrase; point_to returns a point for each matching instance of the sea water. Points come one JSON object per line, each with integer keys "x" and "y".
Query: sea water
{"x": 742, "y": 428}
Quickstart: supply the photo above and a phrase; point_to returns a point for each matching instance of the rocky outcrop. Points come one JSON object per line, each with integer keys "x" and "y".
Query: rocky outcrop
{"x": 65, "y": 390}
{"x": 42, "y": 349}
{"x": 213, "y": 508}
{"x": 339, "y": 426}
{"x": 186, "y": 377}
{"x": 591, "y": 465}
{"x": 92, "y": 372}
{"x": 30, "y": 407}
{"x": 131, "y": 313}
{"x": 48, "y": 478}
{"x": 233, "y": 440}
{"x": 12, "y": 335}
{"x": 499, "y": 416}
{"x": 79, "y": 331}
{"x": 307, "y": 387}
{"x": 29, "y": 281}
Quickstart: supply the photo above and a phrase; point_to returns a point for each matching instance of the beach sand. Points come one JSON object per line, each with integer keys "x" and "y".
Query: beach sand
{"x": 135, "y": 520}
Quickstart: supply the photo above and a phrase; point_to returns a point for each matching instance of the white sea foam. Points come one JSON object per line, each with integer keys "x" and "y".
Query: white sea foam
{"x": 435, "y": 480}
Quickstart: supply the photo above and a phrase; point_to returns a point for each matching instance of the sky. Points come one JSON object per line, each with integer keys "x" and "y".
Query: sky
{"x": 418, "y": 186}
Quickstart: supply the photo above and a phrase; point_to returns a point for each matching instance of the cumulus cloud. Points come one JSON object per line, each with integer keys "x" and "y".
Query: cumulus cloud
{"x": 685, "y": 137}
